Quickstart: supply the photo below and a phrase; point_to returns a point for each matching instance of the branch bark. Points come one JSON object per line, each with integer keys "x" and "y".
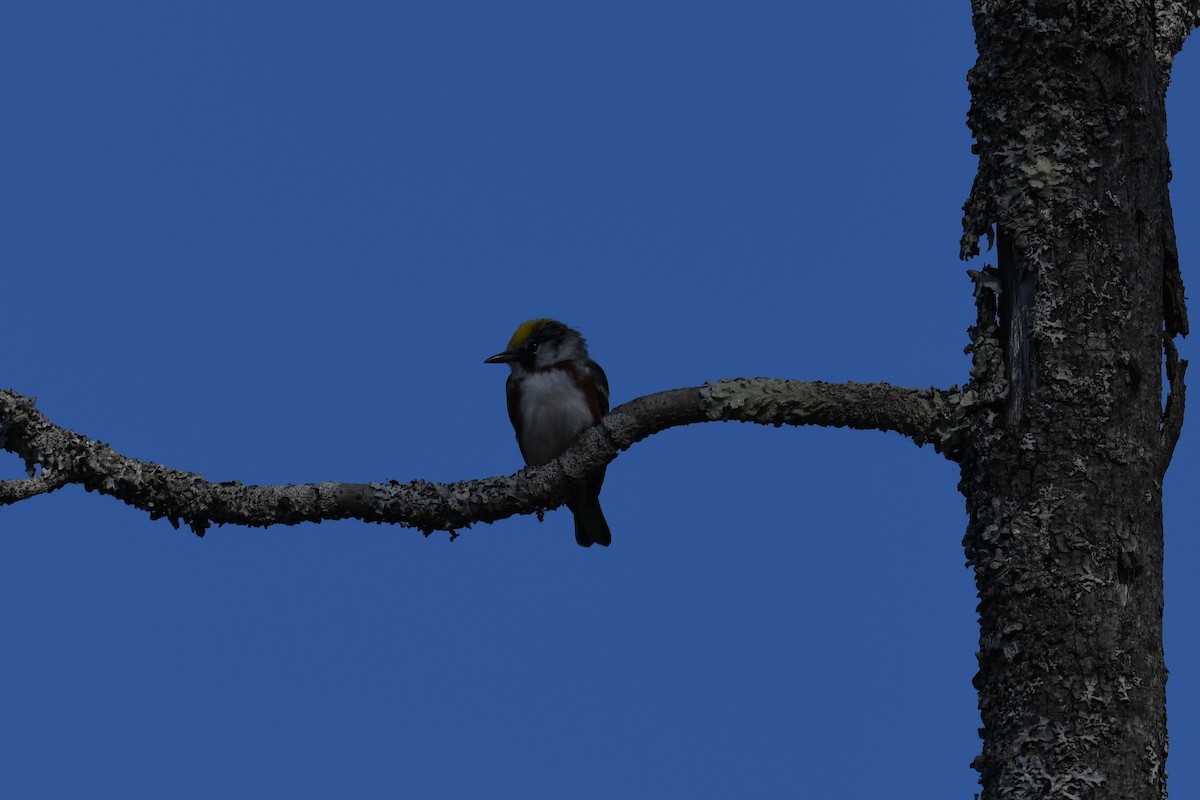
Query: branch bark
{"x": 1174, "y": 20}
{"x": 924, "y": 415}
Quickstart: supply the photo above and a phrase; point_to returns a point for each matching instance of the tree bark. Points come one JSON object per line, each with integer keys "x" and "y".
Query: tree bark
{"x": 1064, "y": 460}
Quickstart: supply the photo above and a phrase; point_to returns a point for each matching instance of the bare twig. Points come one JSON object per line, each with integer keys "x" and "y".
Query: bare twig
{"x": 13, "y": 491}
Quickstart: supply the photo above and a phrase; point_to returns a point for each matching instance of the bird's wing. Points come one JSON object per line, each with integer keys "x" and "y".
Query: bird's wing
{"x": 601, "y": 381}
{"x": 512, "y": 392}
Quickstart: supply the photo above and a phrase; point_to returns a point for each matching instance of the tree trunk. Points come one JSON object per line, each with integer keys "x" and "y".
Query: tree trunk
{"x": 1064, "y": 461}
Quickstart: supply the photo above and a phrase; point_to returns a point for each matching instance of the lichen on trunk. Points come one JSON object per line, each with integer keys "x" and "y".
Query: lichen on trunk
{"x": 1062, "y": 474}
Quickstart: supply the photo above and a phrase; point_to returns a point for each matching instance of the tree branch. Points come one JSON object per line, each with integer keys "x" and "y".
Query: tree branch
{"x": 924, "y": 415}
{"x": 12, "y": 491}
{"x": 1174, "y": 20}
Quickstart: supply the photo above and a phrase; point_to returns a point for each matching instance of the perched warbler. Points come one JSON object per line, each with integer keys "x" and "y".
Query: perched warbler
{"x": 555, "y": 392}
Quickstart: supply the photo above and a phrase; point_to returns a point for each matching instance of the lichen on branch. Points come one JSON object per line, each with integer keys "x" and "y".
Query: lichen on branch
{"x": 64, "y": 456}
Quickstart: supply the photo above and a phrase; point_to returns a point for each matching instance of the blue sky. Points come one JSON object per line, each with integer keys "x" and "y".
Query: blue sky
{"x": 274, "y": 242}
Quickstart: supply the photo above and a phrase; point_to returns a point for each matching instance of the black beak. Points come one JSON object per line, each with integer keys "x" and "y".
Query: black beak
{"x": 501, "y": 358}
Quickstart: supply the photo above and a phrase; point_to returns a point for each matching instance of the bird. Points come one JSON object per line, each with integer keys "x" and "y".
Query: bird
{"x": 555, "y": 392}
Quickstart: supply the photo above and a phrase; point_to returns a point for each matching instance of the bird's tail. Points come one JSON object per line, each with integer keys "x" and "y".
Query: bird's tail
{"x": 590, "y": 525}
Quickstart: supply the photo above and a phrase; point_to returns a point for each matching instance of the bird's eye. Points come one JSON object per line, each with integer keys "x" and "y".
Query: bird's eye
{"x": 532, "y": 347}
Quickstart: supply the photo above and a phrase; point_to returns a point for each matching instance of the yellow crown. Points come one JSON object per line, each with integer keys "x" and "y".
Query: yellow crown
{"x": 527, "y": 329}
